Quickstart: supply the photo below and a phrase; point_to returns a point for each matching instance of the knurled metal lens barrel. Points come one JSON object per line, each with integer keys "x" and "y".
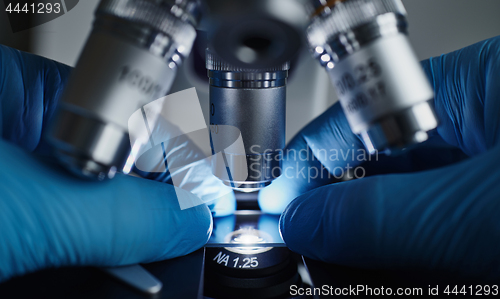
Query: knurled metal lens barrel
{"x": 130, "y": 59}
{"x": 385, "y": 94}
{"x": 249, "y": 103}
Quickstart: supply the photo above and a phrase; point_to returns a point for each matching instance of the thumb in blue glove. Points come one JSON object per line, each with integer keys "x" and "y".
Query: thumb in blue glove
{"x": 440, "y": 219}
{"x": 48, "y": 218}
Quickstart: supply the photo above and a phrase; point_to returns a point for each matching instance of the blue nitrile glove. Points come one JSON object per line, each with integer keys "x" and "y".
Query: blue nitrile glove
{"x": 48, "y": 218}
{"x": 441, "y": 219}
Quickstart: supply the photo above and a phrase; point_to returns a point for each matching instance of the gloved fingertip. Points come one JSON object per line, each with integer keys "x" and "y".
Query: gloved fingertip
{"x": 200, "y": 229}
{"x": 224, "y": 205}
{"x": 289, "y": 228}
{"x": 173, "y": 222}
{"x": 192, "y": 233}
{"x": 276, "y": 197}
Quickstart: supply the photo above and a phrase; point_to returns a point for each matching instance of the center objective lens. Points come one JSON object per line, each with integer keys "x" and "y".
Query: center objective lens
{"x": 252, "y": 101}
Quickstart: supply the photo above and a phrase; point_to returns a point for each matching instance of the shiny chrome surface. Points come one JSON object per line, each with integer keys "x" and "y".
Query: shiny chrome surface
{"x": 259, "y": 170}
{"x": 357, "y": 30}
{"x": 253, "y": 102}
{"x": 401, "y": 129}
{"x": 89, "y": 147}
{"x": 130, "y": 59}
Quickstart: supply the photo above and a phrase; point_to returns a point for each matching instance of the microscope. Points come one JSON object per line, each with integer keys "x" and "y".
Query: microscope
{"x": 131, "y": 59}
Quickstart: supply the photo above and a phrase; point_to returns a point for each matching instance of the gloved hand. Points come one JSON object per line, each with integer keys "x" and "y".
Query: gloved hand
{"x": 48, "y": 218}
{"x": 440, "y": 219}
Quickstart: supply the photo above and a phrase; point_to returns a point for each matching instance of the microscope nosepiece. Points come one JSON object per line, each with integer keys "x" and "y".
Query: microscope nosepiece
{"x": 250, "y": 104}
{"x": 256, "y": 34}
{"x": 382, "y": 88}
